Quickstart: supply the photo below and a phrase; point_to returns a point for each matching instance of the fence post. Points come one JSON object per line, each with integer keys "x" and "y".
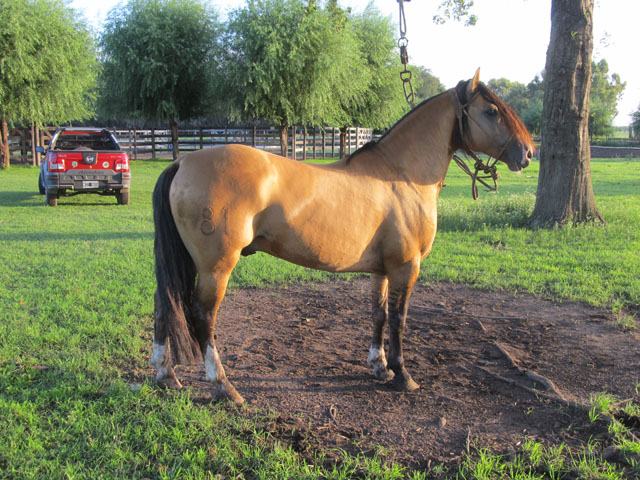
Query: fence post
{"x": 33, "y": 144}
{"x": 333, "y": 141}
{"x": 135, "y": 144}
{"x": 201, "y": 144}
{"x": 304, "y": 143}
{"x": 23, "y": 146}
{"x": 294, "y": 142}
{"x": 324, "y": 144}
{"x": 153, "y": 143}
{"x": 253, "y": 136}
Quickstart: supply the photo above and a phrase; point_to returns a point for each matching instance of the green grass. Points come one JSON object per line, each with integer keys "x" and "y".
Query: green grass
{"x": 76, "y": 302}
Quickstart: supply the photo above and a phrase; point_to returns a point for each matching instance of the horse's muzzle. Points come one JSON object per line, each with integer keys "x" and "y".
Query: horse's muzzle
{"x": 521, "y": 160}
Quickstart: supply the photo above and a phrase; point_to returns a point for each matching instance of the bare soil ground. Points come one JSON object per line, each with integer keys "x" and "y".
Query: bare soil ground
{"x": 301, "y": 350}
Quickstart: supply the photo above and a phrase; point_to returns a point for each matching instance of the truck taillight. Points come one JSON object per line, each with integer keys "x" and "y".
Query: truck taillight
{"x": 122, "y": 163}
{"x": 55, "y": 163}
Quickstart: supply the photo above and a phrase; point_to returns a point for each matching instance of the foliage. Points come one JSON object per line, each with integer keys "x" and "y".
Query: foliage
{"x": 525, "y": 100}
{"x": 158, "y": 58}
{"x": 48, "y": 65}
{"x": 605, "y": 93}
{"x": 456, "y": 10}
{"x": 428, "y": 85}
{"x": 635, "y": 122}
{"x": 288, "y": 63}
{"x": 383, "y": 102}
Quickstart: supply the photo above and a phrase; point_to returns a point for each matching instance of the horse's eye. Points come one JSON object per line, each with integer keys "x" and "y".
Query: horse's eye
{"x": 492, "y": 111}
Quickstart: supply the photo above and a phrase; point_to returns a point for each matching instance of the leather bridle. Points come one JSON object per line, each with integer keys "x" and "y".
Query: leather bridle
{"x": 489, "y": 169}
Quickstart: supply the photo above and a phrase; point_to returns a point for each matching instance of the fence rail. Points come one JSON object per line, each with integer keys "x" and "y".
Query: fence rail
{"x": 303, "y": 143}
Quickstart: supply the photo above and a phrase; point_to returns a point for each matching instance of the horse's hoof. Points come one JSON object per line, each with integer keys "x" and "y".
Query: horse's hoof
{"x": 226, "y": 391}
{"x": 404, "y": 383}
{"x": 383, "y": 374}
{"x": 170, "y": 382}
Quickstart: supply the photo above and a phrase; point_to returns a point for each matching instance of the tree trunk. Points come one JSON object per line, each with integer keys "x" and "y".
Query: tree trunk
{"x": 343, "y": 141}
{"x": 565, "y": 193}
{"x": 4, "y": 144}
{"x": 174, "y": 137}
{"x": 283, "y": 140}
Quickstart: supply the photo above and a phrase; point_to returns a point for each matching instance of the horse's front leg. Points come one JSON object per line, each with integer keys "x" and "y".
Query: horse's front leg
{"x": 401, "y": 282}
{"x": 377, "y": 358}
{"x": 210, "y": 291}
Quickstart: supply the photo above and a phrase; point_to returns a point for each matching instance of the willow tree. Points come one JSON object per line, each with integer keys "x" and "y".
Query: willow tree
{"x": 289, "y": 62}
{"x": 382, "y": 102}
{"x": 159, "y": 59}
{"x": 48, "y": 66}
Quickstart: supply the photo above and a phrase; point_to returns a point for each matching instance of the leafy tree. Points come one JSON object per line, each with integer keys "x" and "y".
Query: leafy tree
{"x": 605, "y": 93}
{"x": 525, "y": 99}
{"x": 514, "y": 93}
{"x": 635, "y": 122}
{"x": 428, "y": 85}
{"x": 48, "y": 66}
{"x": 532, "y": 114}
{"x": 159, "y": 59}
{"x": 287, "y": 62}
{"x": 383, "y": 102}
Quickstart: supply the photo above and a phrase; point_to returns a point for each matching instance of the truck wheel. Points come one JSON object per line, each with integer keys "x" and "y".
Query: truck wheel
{"x": 41, "y": 185}
{"x": 51, "y": 199}
{"x": 123, "y": 197}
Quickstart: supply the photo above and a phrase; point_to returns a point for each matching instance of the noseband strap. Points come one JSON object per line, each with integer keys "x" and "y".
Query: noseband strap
{"x": 489, "y": 169}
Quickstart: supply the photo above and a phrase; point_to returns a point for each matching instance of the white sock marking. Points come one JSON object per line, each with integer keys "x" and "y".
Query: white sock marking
{"x": 157, "y": 359}
{"x": 211, "y": 362}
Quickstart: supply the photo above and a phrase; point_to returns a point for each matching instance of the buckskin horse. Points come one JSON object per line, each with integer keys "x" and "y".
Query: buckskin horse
{"x": 372, "y": 212}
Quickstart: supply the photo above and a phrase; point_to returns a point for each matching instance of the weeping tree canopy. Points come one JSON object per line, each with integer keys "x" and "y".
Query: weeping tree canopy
{"x": 288, "y": 62}
{"x": 383, "y": 102}
{"x": 159, "y": 56}
{"x": 48, "y": 65}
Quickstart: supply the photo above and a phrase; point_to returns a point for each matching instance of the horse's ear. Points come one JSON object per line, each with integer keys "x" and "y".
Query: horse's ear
{"x": 476, "y": 79}
{"x": 473, "y": 84}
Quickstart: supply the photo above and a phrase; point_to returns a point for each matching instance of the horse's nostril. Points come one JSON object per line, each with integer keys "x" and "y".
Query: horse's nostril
{"x": 529, "y": 154}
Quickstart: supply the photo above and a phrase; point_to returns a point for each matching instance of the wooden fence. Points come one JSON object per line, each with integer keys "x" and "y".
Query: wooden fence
{"x": 303, "y": 143}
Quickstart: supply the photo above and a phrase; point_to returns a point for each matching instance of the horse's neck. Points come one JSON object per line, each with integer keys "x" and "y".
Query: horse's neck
{"x": 418, "y": 149}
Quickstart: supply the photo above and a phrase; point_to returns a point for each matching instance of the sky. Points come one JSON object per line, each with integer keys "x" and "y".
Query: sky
{"x": 509, "y": 40}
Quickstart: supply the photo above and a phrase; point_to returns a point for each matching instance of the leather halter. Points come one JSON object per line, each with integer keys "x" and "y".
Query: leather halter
{"x": 489, "y": 169}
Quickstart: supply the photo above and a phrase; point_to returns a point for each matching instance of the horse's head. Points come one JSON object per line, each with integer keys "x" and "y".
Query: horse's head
{"x": 488, "y": 125}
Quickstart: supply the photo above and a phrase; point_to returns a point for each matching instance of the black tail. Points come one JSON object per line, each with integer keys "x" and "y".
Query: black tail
{"x": 175, "y": 275}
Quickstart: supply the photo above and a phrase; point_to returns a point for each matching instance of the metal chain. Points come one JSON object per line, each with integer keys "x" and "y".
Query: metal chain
{"x": 403, "y": 41}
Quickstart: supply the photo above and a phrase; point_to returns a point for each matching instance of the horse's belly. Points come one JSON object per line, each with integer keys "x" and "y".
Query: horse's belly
{"x": 320, "y": 248}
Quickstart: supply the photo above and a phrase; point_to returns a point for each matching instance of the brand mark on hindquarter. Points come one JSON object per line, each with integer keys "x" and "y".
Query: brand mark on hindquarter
{"x": 206, "y": 227}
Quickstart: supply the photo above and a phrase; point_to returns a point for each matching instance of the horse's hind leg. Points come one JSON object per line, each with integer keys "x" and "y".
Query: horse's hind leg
{"x": 210, "y": 291}
{"x": 401, "y": 282}
{"x": 160, "y": 358}
{"x": 377, "y": 358}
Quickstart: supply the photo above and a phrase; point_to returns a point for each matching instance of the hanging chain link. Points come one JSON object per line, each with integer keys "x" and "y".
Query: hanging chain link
{"x": 403, "y": 41}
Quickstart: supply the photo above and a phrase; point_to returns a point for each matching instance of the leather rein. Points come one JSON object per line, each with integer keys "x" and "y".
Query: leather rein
{"x": 489, "y": 169}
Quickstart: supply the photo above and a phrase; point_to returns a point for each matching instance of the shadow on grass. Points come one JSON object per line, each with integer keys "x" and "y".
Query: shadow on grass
{"x": 21, "y": 199}
{"x": 55, "y": 237}
{"x": 34, "y": 199}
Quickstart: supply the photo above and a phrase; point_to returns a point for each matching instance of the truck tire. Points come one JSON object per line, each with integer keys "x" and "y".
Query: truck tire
{"x": 123, "y": 197}
{"x": 41, "y": 185}
{"x": 51, "y": 199}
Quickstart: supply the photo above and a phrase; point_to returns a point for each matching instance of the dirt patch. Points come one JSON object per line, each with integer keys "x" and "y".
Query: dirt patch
{"x": 301, "y": 351}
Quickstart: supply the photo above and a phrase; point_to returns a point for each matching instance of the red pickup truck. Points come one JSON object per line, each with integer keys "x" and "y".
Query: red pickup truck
{"x": 84, "y": 160}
